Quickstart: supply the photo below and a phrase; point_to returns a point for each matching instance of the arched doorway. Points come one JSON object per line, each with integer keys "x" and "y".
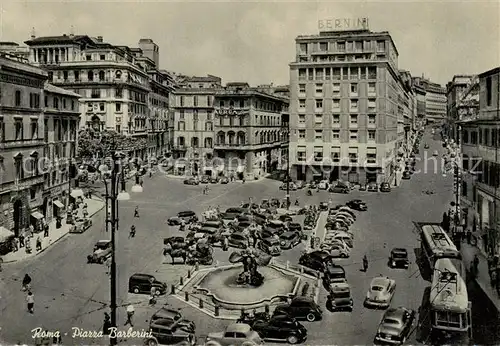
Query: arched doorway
{"x": 18, "y": 216}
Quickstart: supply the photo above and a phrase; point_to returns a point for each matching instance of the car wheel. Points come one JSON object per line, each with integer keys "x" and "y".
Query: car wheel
{"x": 157, "y": 292}
{"x": 135, "y": 290}
{"x": 343, "y": 255}
{"x": 292, "y": 339}
{"x": 310, "y": 317}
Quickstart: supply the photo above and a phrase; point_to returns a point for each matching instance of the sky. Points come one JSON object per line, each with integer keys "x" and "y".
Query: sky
{"x": 255, "y": 41}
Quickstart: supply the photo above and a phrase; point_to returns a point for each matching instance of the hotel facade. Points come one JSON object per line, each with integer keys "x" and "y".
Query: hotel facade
{"x": 350, "y": 112}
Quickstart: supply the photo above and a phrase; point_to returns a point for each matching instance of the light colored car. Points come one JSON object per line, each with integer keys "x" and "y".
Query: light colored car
{"x": 323, "y": 185}
{"x": 236, "y": 334}
{"x": 344, "y": 237}
{"x": 336, "y": 249}
{"x": 381, "y": 291}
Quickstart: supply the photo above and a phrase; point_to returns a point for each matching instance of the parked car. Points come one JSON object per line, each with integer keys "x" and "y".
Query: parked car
{"x": 214, "y": 180}
{"x": 276, "y": 227}
{"x": 406, "y": 174}
{"x": 301, "y": 308}
{"x": 357, "y": 204}
{"x": 372, "y": 187}
{"x": 238, "y": 240}
{"x": 236, "y": 334}
{"x": 295, "y": 226}
{"x": 142, "y": 283}
{"x": 168, "y": 332}
{"x": 281, "y": 328}
{"x": 340, "y": 188}
{"x": 336, "y": 249}
{"x": 289, "y": 239}
{"x": 323, "y": 185}
{"x": 102, "y": 250}
{"x": 300, "y": 184}
{"x": 385, "y": 187}
{"x": 362, "y": 187}
{"x": 205, "y": 179}
{"x": 395, "y": 326}
{"x": 316, "y": 260}
{"x": 270, "y": 245}
{"x": 399, "y": 258}
{"x": 224, "y": 180}
{"x": 191, "y": 181}
{"x": 333, "y": 274}
{"x": 80, "y": 225}
{"x": 291, "y": 187}
{"x": 339, "y": 297}
{"x": 380, "y": 293}
{"x": 188, "y": 216}
{"x": 236, "y": 210}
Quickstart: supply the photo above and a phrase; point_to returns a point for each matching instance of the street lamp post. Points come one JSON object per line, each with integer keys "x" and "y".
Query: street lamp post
{"x": 288, "y": 178}
{"x": 113, "y": 197}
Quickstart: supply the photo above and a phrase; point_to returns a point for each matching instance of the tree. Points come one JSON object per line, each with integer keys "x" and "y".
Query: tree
{"x": 98, "y": 144}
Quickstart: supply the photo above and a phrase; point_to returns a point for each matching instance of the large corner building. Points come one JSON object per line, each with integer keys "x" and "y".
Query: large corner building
{"x": 349, "y": 107}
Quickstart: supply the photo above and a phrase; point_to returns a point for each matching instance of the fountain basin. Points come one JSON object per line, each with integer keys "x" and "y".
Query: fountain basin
{"x": 220, "y": 286}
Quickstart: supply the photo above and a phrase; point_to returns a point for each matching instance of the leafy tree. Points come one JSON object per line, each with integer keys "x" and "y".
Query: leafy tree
{"x": 98, "y": 144}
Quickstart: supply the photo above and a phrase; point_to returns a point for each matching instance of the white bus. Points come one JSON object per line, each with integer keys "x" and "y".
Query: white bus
{"x": 435, "y": 244}
{"x": 450, "y": 309}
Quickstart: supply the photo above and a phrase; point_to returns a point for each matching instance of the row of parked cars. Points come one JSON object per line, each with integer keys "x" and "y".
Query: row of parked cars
{"x": 206, "y": 180}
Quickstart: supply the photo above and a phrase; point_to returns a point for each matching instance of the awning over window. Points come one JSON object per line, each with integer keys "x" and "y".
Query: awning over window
{"x": 58, "y": 204}
{"x": 76, "y": 193}
{"x": 37, "y": 215}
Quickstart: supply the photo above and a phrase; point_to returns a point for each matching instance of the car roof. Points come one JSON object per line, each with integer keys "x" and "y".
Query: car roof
{"x": 103, "y": 241}
{"x": 139, "y": 275}
{"x": 335, "y": 268}
{"x": 396, "y": 313}
{"x": 380, "y": 281}
{"x": 341, "y": 286}
{"x": 319, "y": 253}
{"x": 185, "y": 212}
{"x": 399, "y": 250}
{"x": 238, "y": 328}
{"x": 276, "y": 222}
{"x": 303, "y": 299}
{"x": 289, "y": 234}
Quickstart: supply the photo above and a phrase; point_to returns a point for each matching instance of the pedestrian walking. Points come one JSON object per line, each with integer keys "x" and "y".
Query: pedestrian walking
{"x": 152, "y": 296}
{"x": 365, "y": 263}
{"x": 38, "y": 244}
{"x": 130, "y": 313}
{"x": 141, "y": 182}
{"x": 45, "y": 230}
{"x": 21, "y": 240}
{"x": 106, "y": 324}
{"x": 225, "y": 245}
{"x": 30, "y": 300}
{"x": 108, "y": 265}
{"x": 476, "y": 264}
{"x": 132, "y": 232}
{"x": 136, "y": 211}
{"x": 85, "y": 213}
{"x": 150, "y": 173}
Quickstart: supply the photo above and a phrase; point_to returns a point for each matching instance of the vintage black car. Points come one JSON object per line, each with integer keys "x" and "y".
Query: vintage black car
{"x": 399, "y": 258}
{"x": 205, "y": 179}
{"x": 339, "y": 298}
{"x": 407, "y": 174}
{"x": 372, "y": 187}
{"x": 191, "y": 181}
{"x": 340, "y": 188}
{"x": 281, "y": 328}
{"x": 168, "y": 332}
{"x": 316, "y": 260}
{"x": 385, "y": 187}
{"x": 301, "y": 308}
{"x": 395, "y": 326}
{"x": 290, "y": 239}
{"x": 357, "y": 204}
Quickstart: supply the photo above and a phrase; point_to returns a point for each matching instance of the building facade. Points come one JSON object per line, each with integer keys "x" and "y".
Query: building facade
{"x": 458, "y": 96}
{"x": 21, "y": 143}
{"x": 347, "y": 107}
{"x": 480, "y": 144}
{"x": 193, "y": 119}
{"x": 249, "y": 135}
{"x": 121, "y": 88}
{"x": 435, "y": 100}
{"x": 60, "y": 129}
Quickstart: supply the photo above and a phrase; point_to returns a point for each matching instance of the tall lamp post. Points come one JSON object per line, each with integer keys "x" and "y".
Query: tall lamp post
{"x": 112, "y": 198}
{"x": 288, "y": 168}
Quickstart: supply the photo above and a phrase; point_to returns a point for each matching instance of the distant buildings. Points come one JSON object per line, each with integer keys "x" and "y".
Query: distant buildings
{"x": 351, "y": 109}
{"x": 462, "y": 103}
{"x": 480, "y": 142}
{"x": 121, "y": 88}
{"x": 435, "y": 100}
{"x": 38, "y": 125}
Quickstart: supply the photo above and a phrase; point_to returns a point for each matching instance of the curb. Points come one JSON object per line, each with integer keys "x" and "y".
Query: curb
{"x": 53, "y": 242}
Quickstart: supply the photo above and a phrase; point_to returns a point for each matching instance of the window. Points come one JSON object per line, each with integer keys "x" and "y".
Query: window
{"x": 208, "y": 142}
{"x": 363, "y": 73}
{"x": 353, "y": 119}
{"x": 181, "y": 101}
{"x": 318, "y": 135}
{"x": 473, "y": 137}
{"x": 336, "y": 73}
{"x": 464, "y": 188}
{"x": 301, "y": 154}
{"x": 310, "y": 74}
{"x": 341, "y": 46}
{"x": 46, "y": 101}
{"x": 354, "y": 89}
{"x": 358, "y": 46}
{"x": 336, "y": 118}
{"x": 2, "y": 131}
{"x": 72, "y": 105}
{"x": 493, "y": 137}
{"x": 318, "y": 119}
{"x": 118, "y": 107}
{"x": 90, "y": 75}
{"x": 486, "y": 137}
{"x": 302, "y": 74}
{"x": 208, "y": 126}
{"x": 319, "y": 104}
{"x": 195, "y": 115}
{"x": 302, "y": 134}
{"x": 336, "y": 105}
{"x": 327, "y": 73}
{"x": 302, "y": 103}
{"x": 480, "y": 141}
{"x": 489, "y": 90}
{"x": 18, "y": 98}
{"x": 353, "y": 135}
{"x": 302, "y": 88}
{"x": 372, "y": 72}
{"x": 371, "y": 155}
{"x": 96, "y": 93}
{"x": 372, "y": 104}
{"x": 318, "y": 154}
{"x": 101, "y": 107}
{"x": 372, "y": 119}
{"x": 101, "y": 75}
{"x": 380, "y": 46}
{"x": 323, "y": 46}
{"x": 345, "y": 73}
{"x": 371, "y": 135}
{"x": 353, "y": 105}
{"x": 336, "y": 89}
{"x": 335, "y": 154}
{"x": 302, "y": 119}
{"x": 353, "y": 155}
{"x": 118, "y": 128}
{"x": 319, "y": 88}
{"x": 18, "y": 126}
{"x": 371, "y": 89}
{"x": 77, "y": 76}
{"x": 55, "y": 102}
{"x": 303, "y": 48}
{"x": 181, "y": 126}
{"x": 335, "y": 134}
{"x": 354, "y": 73}
{"x": 34, "y": 129}
{"x": 319, "y": 73}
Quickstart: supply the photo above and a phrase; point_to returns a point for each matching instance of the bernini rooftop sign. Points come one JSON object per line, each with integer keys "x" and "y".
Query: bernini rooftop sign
{"x": 343, "y": 24}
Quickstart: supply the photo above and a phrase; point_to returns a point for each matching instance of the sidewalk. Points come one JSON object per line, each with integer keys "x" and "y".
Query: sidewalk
{"x": 483, "y": 277}
{"x": 93, "y": 206}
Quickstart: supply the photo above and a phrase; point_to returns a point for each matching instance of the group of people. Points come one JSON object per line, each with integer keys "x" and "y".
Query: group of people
{"x": 24, "y": 239}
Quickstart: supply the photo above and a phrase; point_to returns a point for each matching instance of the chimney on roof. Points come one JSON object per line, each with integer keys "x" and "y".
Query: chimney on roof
{"x": 33, "y": 33}
{"x": 99, "y": 38}
{"x": 72, "y": 32}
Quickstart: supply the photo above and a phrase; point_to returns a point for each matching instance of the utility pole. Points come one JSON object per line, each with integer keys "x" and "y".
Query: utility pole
{"x": 288, "y": 168}
{"x": 114, "y": 221}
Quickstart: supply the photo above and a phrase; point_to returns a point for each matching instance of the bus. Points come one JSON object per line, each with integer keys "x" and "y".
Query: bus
{"x": 450, "y": 309}
{"x": 436, "y": 244}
